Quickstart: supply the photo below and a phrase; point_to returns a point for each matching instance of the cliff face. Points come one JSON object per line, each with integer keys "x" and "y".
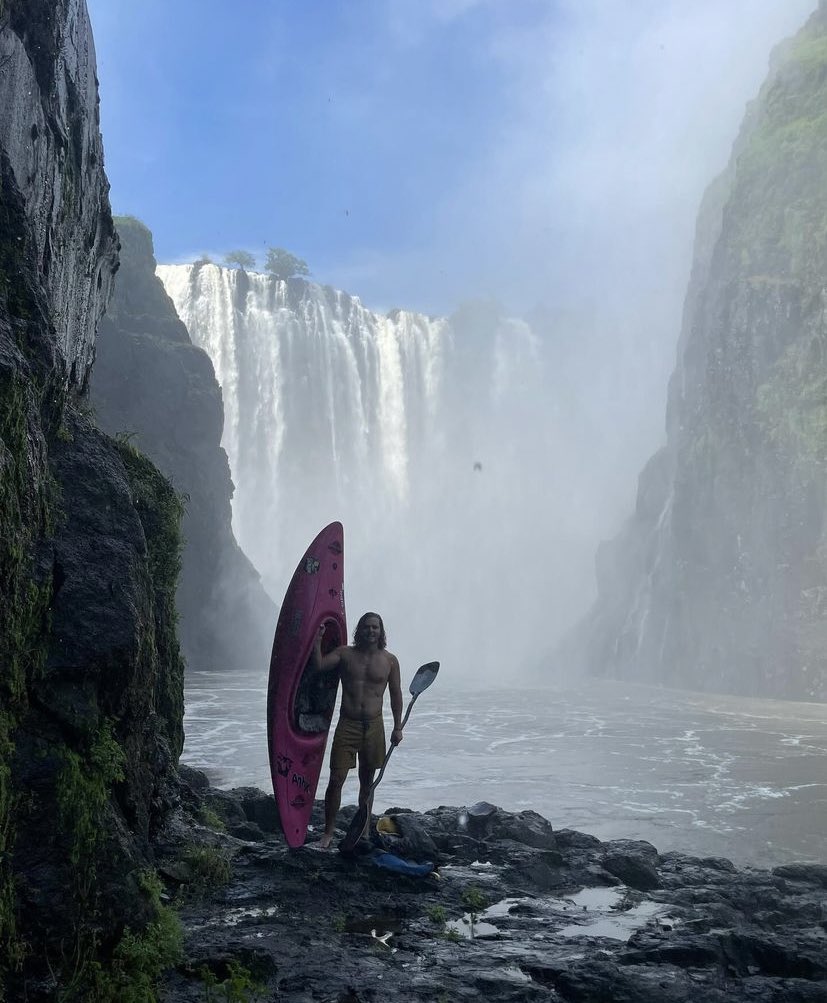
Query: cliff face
{"x": 90, "y": 676}
{"x": 50, "y": 135}
{"x": 150, "y": 381}
{"x": 719, "y": 580}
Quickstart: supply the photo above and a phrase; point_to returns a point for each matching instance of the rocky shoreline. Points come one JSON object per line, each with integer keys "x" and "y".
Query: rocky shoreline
{"x": 518, "y": 911}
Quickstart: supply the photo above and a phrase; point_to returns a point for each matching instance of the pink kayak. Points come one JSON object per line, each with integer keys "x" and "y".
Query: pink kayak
{"x": 300, "y": 703}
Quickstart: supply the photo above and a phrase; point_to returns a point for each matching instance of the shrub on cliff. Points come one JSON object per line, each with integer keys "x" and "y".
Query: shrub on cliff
{"x": 283, "y": 264}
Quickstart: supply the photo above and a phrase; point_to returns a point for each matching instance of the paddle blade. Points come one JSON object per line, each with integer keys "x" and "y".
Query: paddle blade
{"x": 425, "y": 675}
{"x": 354, "y": 830}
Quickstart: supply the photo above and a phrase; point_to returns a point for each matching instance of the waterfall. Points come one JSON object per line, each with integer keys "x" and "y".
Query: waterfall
{"x": 421, "y": 434}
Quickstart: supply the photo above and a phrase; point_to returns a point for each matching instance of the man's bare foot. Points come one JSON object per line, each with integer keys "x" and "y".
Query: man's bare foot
{"x": 326, "y": 840}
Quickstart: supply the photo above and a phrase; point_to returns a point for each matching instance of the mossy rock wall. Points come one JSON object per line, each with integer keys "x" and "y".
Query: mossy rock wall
{"x": 90, "y": 674}
{"x": 95, "y": 746}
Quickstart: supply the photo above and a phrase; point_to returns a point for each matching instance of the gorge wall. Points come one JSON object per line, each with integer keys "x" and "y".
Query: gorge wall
{"x": 151, "y": 385}
{"x": 719, "y": 579}
{"x": 90, "y": 674}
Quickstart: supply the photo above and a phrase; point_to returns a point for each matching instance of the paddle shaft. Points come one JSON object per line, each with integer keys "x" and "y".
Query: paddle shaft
{"x": 375, "y": 783}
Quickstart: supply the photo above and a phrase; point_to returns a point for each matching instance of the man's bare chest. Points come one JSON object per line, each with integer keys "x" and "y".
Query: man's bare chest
{"x": 370, "y": 669}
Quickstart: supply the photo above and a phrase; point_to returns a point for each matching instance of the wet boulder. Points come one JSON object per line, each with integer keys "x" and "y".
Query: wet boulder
{"x": 634, "y": 862}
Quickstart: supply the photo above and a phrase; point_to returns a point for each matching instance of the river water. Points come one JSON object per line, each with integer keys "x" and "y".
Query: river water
{"x": 710, "y": 775}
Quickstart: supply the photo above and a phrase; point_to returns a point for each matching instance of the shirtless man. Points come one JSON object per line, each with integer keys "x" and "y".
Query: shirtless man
{"x": 366, "y": 670}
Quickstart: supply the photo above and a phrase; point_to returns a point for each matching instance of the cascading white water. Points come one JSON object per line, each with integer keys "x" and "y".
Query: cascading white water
{"x": 421, "y": 435}
{"x": 325, "y": 402}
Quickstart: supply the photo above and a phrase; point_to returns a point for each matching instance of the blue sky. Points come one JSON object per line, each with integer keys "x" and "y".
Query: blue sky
{"x": 420, "y": 152}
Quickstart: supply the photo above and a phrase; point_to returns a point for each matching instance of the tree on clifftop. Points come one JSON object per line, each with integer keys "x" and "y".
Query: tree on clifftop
{"x": 239, "y": 259}
{"x": 283, "y": 264}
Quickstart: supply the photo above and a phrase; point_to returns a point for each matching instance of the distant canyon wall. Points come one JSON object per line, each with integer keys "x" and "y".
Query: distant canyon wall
{"x": 152, "y": 386}
{"x": 719, "y": 579}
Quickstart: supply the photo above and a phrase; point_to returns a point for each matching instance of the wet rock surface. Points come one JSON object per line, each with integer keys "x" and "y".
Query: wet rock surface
{"x": 515, "y": 911}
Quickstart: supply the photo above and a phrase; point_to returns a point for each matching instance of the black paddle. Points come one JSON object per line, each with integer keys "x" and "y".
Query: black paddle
{"x": 425, "y": 675}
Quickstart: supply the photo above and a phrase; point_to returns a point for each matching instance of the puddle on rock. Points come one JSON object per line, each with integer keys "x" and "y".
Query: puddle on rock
{"x": 598, "y": 907}
{"x": 472, "y": 928}
{"x": 619, "y": 926}
{"x": 600, "y": 913}
{"x": 591, "y": 898}
{"x": 506, "y": 907}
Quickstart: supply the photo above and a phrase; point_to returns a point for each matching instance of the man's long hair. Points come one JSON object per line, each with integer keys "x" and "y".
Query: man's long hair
{"x": 357, "y": 639}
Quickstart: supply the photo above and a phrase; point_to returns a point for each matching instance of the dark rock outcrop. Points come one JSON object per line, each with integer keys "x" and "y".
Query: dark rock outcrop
{"x": 719, "y": 579}
{"x": 309, "y": 924}
{"x": 152, "y": 383}
{"x": 90, "y": 676}
{"x": 50, "y": 138}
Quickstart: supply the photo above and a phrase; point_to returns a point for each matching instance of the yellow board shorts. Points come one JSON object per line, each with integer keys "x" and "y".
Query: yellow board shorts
{"x": 367, "y": 738}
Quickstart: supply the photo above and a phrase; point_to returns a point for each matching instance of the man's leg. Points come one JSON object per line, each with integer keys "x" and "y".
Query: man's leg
{"x": 371, "y": 757}
{"x": 332, "y": 800}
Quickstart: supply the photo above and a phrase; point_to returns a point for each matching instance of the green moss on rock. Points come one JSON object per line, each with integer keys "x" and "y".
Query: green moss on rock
{"x": 90, "y": 785}
{"x": 779, "y": 214}
{"x": 25, "y": 514}
{"x": 138, "y": 959}
{"x": 792, "y": 405}
{"x": 141, "y": 958}
{"x": 160, "y": 510}
{"x": 84, "y": 788}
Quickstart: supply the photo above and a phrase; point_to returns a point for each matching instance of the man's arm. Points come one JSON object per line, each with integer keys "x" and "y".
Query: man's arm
{"x": 395, "y": 690}
{"x": 319, "y": 661}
